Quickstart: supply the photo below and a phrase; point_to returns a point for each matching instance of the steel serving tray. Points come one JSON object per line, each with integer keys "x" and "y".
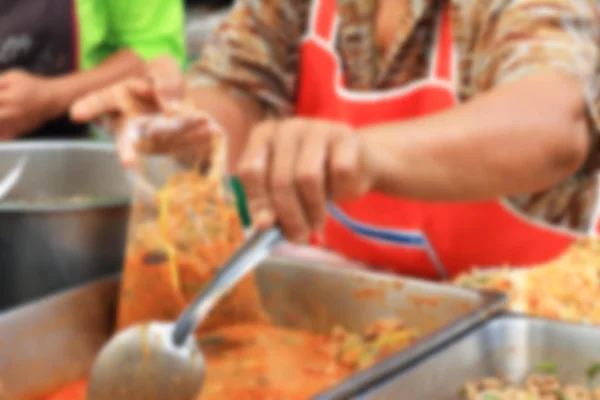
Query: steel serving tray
{"x": 508, "y": 346}
{"x": 52, "y": 342}
{"x": 48, "y": 243}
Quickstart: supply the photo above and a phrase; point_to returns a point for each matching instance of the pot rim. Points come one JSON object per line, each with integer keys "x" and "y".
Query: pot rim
{"x": 26, "y": 208}
{"x": 54, "y": 145}
{"x": 57, "y": 145}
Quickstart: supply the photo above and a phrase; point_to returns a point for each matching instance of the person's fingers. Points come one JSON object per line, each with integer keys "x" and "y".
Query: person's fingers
{"x": 93, "y": 106}
{"x": 310, "y": 175}
{"x": 141, "y": 87}
{"x": 114, "y": 99}
{"x": 168, "y": 81}
{"x": 282, "y": 175}
{"x": 253, "y": 172}
{"x": 344, "y": 166}
{"x": 126, "y": 150}
{"x": 173, "y": 133}
{"x": 128, "y": 139}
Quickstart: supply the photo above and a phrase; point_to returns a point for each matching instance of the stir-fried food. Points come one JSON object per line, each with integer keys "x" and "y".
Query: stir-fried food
{"x": 75, "y": 391}
{"x": 536, "y": 387}
{"x": 271, "y": 363}
{"x": 567, "y": 288}
{"x": 181, "y": 230}
{"x": 266, "y": 362}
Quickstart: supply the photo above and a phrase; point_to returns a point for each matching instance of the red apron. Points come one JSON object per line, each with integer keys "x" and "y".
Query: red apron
{"x": 431, "y": 240}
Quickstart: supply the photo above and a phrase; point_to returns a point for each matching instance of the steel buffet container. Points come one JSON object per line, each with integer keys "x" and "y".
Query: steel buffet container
{"x": 64, "y": 222}
{"x": 53, "y": 342}
{"x": 509, "y": 346}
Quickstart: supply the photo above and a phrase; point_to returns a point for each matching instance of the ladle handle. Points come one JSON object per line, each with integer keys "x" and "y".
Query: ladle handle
{"x": 250, "y": 254}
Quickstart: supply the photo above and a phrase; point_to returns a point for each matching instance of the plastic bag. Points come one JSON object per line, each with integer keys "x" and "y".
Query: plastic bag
{"x": 183, "y": 225}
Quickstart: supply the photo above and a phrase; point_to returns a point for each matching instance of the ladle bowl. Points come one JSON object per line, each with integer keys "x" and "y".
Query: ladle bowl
{"x": 162, "y": 361}
{"x": 151, "y": 366}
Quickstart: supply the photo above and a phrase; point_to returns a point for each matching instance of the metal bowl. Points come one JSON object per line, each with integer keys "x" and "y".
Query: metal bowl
{"x": 64, "y": 223}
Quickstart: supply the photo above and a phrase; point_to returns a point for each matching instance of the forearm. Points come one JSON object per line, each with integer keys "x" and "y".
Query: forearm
{"x": 68, "y": 88}
{"x": 236, "y": 113}
{"x": 519, "y": 138}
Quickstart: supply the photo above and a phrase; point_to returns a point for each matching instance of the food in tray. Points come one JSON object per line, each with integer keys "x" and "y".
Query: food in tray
{"x": 567, "y": 288}
{"x": 268, "y": 362}
{"x": 537, "y": 386}
{"x": 265, "y": 362}
{"x": 75, "y": 391}
{"x": 178, "y": 238}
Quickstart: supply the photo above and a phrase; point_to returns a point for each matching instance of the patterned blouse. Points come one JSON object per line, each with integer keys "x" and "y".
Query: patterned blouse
{"x": 255, "y": 51}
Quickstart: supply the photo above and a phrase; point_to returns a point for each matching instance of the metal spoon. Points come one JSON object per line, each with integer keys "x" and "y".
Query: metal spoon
{"x": 161, "y": 361}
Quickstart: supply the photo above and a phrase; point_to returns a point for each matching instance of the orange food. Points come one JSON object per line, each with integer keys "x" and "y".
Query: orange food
{"x": 567, "y": 288}
{"x": 75, "y": 391}
{"x": 176, "y": 244}
{"x": 177, "y": 241}
{"x": 265, "y": 362}
{"x": 536, "y": 386}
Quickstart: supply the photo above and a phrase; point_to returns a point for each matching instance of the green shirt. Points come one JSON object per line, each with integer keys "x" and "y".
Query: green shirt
{"x": 149, "y": 27}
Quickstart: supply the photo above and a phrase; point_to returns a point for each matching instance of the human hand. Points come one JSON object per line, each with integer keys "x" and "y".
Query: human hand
{"x": 159, "y": 89}
{"x": 292, "y": 168}
{"x": 26, "y": 103}
{"x": 147, "y": 113}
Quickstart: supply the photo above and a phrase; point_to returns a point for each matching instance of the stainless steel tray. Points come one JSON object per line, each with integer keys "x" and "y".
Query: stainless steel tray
{"x": 49, "y": 244}
{"x": 509, "y": 346}
{"x": 53, "y": 342}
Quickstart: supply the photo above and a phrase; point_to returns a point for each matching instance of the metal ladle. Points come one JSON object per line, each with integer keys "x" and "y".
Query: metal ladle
{"x": 162, "y": 361}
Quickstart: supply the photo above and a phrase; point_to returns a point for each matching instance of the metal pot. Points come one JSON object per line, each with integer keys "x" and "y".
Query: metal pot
{"x": 64, "y": 223}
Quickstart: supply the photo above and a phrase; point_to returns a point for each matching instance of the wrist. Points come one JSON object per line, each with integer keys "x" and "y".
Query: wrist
{"x": 374, "y": 158}
{"x": 387, "y": 156}
{"x": 57, "y": 97}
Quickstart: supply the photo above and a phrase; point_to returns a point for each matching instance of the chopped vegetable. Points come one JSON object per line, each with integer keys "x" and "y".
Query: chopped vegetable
{"x": 544, "y": 385}
{"x": 546, "y": 368}
{"x": 593, "y": 371}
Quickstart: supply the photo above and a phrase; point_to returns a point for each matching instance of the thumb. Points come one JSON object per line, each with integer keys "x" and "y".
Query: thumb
{"x": 167, "y": 80}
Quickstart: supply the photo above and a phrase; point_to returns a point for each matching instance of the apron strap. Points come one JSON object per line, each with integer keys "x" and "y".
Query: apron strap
{"x": 323, "y": 18}
{"x": 442, "y": 65}
{"x": 594, "y": 229}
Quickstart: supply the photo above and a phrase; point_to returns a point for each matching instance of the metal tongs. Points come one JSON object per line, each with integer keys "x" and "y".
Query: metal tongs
{"x": 162, "y": 361}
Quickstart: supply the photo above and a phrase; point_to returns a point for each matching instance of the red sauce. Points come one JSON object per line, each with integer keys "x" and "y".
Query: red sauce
{"x": 74, "y": 391}
{"x": 265, "y": 362}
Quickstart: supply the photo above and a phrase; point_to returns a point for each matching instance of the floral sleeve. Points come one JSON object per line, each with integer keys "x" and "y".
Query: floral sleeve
{"x": 512, "y": 39}
{"x": 255, "y": 52}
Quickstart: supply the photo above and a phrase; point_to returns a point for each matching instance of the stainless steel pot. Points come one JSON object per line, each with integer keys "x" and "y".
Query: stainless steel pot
{"x": 64, "y": 223}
